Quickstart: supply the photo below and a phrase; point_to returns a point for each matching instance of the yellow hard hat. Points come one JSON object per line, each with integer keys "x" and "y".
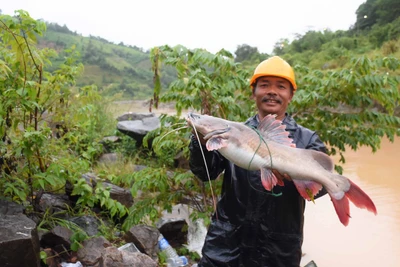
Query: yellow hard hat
{"x": 274, "y": 66}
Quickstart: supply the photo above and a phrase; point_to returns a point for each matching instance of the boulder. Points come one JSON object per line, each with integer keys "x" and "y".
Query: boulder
{"x": 134, "y": 116}
{"x": 120, "y": 258}
{"x": 10, "y": 208}
{"x": 87, "y": 223}
{"x": 92, "y": 250}
{"x": 53, "y": 202}
{"x": 19, "y": 242}
{"x": 59, "y": 240}
{"x": 137, "y": 129}
{"x": 145, "y": 238}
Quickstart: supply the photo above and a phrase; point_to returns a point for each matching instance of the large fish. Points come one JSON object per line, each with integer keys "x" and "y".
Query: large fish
{"x": 270, "y": 148}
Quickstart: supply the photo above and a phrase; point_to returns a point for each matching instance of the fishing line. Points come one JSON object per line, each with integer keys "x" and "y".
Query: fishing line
{"x": 270, "y": 156}
{"x": 205, "y": 164}
{"x": 172, "y": 131}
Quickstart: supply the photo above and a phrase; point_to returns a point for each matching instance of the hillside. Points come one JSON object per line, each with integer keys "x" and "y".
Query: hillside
{"x": 126, "y": 70}
{"x": 114, "y": 68}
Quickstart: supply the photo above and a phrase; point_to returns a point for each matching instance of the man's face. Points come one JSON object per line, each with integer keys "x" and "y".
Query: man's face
{"x": 272, "y": 95}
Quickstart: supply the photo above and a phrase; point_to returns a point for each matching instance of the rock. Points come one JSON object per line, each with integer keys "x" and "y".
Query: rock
{"x": 120, "y": 258}
{"x": 174, "y": 230}
{"x": 91, "y": 180}
{"x": 108, "y": 158}
{"x": 19, "y": 242}
{"x": 10, "y": 208}
{"x": 87, "y": 223}
{"x": 137, "y": 129}
{"x": 58, "y": 239}
{"x": 138, "y": 168}
{"x": 90, "y": 254}
{"x": 133, "y": 116}
{"x": 109, "y": 143}
{"x": 53, "y": 202}
{"x": 145, "y": 238}
{"x": 120, "y": 194}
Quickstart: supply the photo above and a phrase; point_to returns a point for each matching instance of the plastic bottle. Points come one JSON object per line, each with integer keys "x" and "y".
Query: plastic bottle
{"x": 174, "y": 260}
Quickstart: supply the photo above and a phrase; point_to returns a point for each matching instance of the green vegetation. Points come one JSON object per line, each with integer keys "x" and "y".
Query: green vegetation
{"x": 114, "y": 69}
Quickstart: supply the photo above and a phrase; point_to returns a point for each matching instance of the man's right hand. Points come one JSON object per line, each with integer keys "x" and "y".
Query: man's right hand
{"x": 201, "y": 137}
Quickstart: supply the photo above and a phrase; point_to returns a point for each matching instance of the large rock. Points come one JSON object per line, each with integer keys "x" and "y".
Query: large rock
{"x": 137, "y": 129}
{"x": 19, "y": 242}
{"x": 92, "y": 250}
{"x": 59, "y": 240}
{"x": 120, "y": 194}
{"x": 120, "y": 258}
{"x": 134, "y": 116}
{"x": 53, "y": 203}
{"x": 10, "y": 208}
{"x": 145, "y": 238}
{"x": 87, "y": 223}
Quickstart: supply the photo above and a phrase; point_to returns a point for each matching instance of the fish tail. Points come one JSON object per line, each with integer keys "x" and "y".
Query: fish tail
{"x": 342, "y": 208}
{"x": 357, "y": 196}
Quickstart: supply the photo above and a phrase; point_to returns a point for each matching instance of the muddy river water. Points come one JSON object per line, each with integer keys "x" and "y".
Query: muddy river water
{"x": 368, "y": 240}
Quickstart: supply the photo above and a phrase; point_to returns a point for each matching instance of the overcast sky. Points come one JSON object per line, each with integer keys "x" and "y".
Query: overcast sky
{"x": 209, "y": 24}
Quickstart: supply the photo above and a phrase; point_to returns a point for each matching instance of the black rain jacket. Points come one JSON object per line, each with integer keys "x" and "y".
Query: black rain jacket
{"x": 252, "y": 226}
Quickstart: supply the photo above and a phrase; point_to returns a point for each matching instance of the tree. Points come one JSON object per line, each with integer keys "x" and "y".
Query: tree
{"x": 50, "y": 129}
{"x": 352, "y": 106}
{"x": 245, "y": 52}
{"x": 211, "y": 84}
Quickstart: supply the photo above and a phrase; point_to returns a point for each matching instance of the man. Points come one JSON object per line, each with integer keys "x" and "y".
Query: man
{"x": 252, "y": 226}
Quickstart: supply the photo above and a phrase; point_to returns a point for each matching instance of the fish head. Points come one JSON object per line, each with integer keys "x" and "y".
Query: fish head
{"x": 208, "y": 126}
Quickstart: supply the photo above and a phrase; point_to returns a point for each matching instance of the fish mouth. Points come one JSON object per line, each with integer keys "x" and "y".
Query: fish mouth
{"x": 192, "y": 116}
{"x": 191, "y": 119}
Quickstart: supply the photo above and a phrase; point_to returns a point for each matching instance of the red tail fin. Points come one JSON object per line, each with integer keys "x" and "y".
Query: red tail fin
{"x": 360, "y": 198}
{"x": 342, "y": 209}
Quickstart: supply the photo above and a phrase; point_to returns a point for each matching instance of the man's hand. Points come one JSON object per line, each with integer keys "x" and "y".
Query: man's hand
{"x": 201, "y": 137}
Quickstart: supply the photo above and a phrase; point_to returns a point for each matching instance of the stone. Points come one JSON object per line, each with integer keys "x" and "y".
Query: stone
{"x": 145, "y": 238}
{"x": 10, "y": 208}
{"x": 133, "y": 116}
{"x": 108, "y": 158}
{"x": 53, "y": 202}
{"x": 120, "y": 258}
{"x": 174, "y": 230}
{"x": 137, "y": 129}
{"x": 58, "y": 239}
{"x": 120, "y": 194}
{"x": 92, "y": 250}
{"x": 87, "y": 223}
{"x": 19, "y": 242}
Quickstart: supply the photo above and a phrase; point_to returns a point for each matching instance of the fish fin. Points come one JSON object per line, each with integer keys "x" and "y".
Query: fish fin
{"x": 307, "y": 189}
{"x": 323, "y": 159}
{"x": 273, "y": 129}
{"x": 342, "y": 208}
{"x": 268, "y": 179}
{"x": 359, "y": 198}
{"x": 216, "y": 143}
